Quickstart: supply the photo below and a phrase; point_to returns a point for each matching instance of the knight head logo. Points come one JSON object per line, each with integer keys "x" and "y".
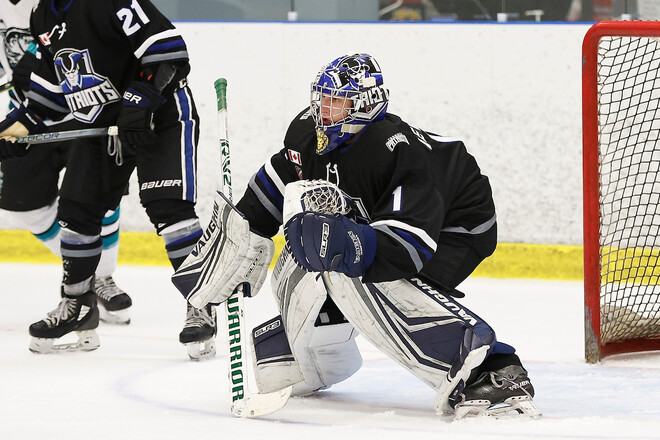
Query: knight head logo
{"x": 86, "y": 92}
{"x": 68, "y": 66}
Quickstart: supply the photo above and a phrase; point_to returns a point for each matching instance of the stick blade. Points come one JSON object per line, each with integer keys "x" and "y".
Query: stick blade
{"x": 257, "y": 405}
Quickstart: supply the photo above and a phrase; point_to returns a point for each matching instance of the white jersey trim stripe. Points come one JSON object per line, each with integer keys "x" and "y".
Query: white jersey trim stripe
{"x": 476, "y": 230}
{"x": 55, "y": 88}
{"x": 426, "y": 238}
{"x": 439, "y": 138}
{"x": 409, "y": 247}
{"x": 270, "y": 172}
{"x": 151, "y": 40}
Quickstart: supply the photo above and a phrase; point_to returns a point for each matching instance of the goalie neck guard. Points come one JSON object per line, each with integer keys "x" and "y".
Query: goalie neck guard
{"x": 346, "y": 95}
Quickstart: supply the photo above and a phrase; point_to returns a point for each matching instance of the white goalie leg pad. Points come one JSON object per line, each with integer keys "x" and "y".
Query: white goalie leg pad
{"x": 323, "y": 353}
{"x": 329, "y": 357}
{"x": 227, "y": 255}
{"x": 423, "y": 331}
{"x": 274, "y": 365}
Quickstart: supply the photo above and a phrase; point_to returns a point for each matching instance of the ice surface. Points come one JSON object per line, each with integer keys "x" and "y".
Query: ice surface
{"x": 140, "y": 384}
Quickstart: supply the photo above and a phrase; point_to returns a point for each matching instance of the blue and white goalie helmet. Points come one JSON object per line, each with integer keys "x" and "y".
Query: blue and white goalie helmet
{"x": 347, "y": 94}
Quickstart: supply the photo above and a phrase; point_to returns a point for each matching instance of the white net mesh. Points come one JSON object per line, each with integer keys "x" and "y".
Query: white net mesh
{"x": 629, "y": 167}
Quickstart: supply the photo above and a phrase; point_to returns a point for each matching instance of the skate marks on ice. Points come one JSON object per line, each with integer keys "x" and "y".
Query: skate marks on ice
{"x": 579, "y": 401}
{"x": 140, "y": 383}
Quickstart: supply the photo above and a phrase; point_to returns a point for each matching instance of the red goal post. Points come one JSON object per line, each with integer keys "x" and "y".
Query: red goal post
{"x": 621, "y": 187}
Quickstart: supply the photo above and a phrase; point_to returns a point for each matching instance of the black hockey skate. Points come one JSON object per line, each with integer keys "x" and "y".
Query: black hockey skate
{"x": 113, "y": 302}
{"x": 78, "y": 314}
{"x": 501, "y": 393}
{"x": 199, "y": 332}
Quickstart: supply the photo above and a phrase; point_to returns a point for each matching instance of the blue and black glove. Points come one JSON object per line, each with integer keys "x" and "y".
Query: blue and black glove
{"x": 321, "y": 242}
{"x": 140, "y": 101}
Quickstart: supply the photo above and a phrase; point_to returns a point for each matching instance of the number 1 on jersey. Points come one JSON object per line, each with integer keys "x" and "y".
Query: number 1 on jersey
{"x": 396, "y": 199}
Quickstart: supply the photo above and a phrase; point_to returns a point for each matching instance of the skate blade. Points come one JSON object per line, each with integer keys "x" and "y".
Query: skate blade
{"x": 88, "y": 340}
{"x": 117, "y": 317}
{"x": 198, "y": 351}
{"x": 513, "y": 407}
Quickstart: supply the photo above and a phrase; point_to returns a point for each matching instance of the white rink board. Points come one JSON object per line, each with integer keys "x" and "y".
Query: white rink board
{"x": 510, "y": 91}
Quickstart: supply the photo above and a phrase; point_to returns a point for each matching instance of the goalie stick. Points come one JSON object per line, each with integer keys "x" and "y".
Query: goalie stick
{"x": 244, "y": 403}
{"x": 44, "y": 138}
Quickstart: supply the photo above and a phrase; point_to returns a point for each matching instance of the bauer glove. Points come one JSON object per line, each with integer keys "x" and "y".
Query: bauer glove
{"x": 322, "y": 242}
{"x": 139, "y": 103}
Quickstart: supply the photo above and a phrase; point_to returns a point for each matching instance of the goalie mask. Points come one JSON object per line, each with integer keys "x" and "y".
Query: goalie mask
{"x": 347, "y": 94}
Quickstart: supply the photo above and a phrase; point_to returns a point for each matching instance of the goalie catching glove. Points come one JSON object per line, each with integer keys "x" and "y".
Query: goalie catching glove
{"x": 322, "y": 242}
{"x": 227, "y": 256}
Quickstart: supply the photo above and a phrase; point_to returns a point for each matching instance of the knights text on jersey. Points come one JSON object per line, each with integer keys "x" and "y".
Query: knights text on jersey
{"x": 95, "y": 48}
{"x": 409, "y": 185}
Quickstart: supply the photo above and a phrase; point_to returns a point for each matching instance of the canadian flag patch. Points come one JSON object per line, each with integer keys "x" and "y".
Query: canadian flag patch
{"x": 295, "y": 157}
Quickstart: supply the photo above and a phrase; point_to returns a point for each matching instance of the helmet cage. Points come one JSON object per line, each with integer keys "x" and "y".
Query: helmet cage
{"x": 346, "y": 95}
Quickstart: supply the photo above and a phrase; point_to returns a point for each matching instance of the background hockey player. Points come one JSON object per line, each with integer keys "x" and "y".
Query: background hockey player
{"x": 116, "y": 62}
{"x": 33, "y": 202}
{"x": 421, "y": 219}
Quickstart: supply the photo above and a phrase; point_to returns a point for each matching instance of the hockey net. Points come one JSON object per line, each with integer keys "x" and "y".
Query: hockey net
{"x": 621, "y": 160}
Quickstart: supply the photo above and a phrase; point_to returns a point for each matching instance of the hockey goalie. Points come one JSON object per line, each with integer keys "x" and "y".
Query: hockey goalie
{"x": 382, "y": 222}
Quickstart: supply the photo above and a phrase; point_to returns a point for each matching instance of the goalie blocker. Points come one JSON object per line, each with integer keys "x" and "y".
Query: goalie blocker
{"x": 226, "y": 256}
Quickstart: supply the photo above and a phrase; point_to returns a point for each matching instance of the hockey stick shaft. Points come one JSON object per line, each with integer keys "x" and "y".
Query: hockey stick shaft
{"x": 44, "y": 138}
{"x": 244, "y": 403}
{"x": 234, "y": 306}
{"x": 6, "y": 86}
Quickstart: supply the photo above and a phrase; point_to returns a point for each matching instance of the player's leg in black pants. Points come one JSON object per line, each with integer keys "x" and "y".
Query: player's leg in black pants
{"x": 167, "y": 175}
{"x": 93, "y": 183}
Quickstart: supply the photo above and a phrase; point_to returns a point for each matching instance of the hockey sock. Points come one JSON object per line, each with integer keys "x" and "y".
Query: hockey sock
{"x": 179, "y": 239}
{"x": 80, "y": 256}
{"x": 110, "y": 238}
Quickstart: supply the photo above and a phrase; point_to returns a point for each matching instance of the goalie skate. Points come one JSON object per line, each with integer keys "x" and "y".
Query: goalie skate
{"x": 198, "y": 334}
{"x": 74, "y": 314}
{"x": 506, "y": 392}
{"x": 521, "y": 406}
{"x": 113, "y": 302}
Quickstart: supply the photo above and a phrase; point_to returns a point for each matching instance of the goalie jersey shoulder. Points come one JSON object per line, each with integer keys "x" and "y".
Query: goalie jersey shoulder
{"x": 395, "y": 134}
{"x": 301, "y": 131}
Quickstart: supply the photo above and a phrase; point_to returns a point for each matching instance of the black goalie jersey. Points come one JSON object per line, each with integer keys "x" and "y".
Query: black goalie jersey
{"x": 88, "y": 65}
{"x": 417, "y": 190}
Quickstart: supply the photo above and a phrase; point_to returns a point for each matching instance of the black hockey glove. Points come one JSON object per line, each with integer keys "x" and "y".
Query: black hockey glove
{"x": 10, "y": 150}
{"x": 20, "y": 122}
{"x": 23, "y": 69}
{"x": 140, "y": 101}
